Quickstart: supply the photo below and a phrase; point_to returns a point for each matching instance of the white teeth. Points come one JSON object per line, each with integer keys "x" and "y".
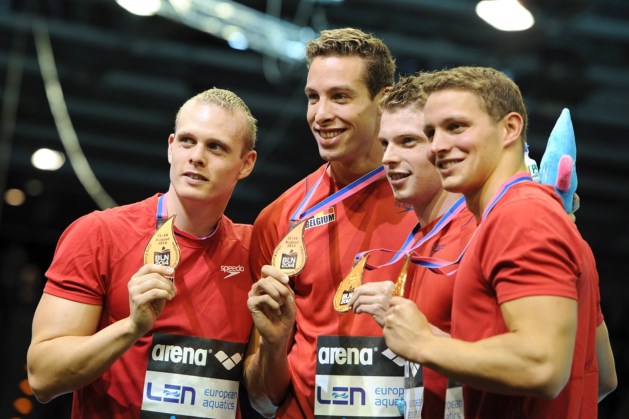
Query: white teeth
{"x": 396, "y": 176}
{"x": 447, "y": 164}
{"x": 329, "y": 134}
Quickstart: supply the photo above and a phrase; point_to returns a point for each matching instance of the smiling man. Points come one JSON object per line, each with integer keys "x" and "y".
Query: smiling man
{"x": 528, "y": 336}
{"x": 349, "y": 72}
{"x": 416, "y": 182}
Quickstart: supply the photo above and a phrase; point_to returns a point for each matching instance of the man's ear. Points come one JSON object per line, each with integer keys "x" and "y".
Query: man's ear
{"x": 171, "y": 138}
{"x": 248, "y": 161}
{"x": 513, "y": 128}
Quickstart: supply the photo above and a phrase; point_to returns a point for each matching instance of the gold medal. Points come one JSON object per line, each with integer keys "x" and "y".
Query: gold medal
{"x": 346, "y": 288}
{"x": 398, "y": 289}
{"x": 289, "y": 255}
{"x": 162, "y": 248}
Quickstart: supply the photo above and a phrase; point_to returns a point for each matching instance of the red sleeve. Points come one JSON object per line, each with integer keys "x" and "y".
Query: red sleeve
{"x": 80, "y": 262}
{"x": 264, "y": 237}
{"x": 527, "y": 256}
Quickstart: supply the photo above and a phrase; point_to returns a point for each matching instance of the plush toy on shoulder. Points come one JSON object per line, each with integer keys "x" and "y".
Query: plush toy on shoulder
{"x": 558, "y": 165}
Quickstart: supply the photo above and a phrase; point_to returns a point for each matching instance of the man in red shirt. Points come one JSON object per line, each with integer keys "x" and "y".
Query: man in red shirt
{"x": 291, "y": 367}
{"x": 113, "y": 328}
{"x": 416, "y": 182}
{"x": 528, "y": 337}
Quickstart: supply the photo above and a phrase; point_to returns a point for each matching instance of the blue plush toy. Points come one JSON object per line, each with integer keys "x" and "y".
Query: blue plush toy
{"x": 558, "y": 165}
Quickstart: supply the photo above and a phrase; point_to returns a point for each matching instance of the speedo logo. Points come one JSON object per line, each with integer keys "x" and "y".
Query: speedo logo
{"x": 346, "y": 356}
{"x": 232, "y": 270}
{"x": 321, "y": 218}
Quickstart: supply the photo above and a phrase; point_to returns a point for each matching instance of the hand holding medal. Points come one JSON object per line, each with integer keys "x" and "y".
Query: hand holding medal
{"x": 355, "y": 278}
{"x": 289, "y": 255}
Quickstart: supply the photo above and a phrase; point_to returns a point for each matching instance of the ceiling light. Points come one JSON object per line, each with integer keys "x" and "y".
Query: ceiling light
{"x": 505, "y": 15}
{"x": 236, "y": 39}
{"x": 14, "y": 197}
{"x": 140, "y": 7}
{"x": 46, "y": 159}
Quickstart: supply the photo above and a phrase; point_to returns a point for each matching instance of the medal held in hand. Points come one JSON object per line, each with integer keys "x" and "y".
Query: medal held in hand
{"x": 346, "y": 288}
{"x": 162, "y": 248}
{"x": 398, "y": 289}
{"x": 289, "y": 255}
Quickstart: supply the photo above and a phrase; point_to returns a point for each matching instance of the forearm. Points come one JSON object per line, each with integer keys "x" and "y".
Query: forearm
{"x": 67, "y": 363}
{"x": 607, "y": 378}
{"x": 267, "y": 378}
{"x": 504, "y": 364}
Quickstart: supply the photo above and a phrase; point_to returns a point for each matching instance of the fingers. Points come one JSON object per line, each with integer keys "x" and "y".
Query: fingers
{"x": 576, "y": 203}
{"x": 271, "y": 292}
{"x": 149, "y": 289}
{"x": 268, "y": 270}
{"x": 150, "y": 283}
{"x": 372, "y": 292}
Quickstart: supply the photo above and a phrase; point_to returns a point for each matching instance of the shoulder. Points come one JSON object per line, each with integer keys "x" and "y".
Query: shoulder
{"x": 531, "y": 201}
{"x": 292, "y": 197}
{"x": 532, "y": 213}
{"x": 124, "y": 219}
{"x": 235, "y": 232}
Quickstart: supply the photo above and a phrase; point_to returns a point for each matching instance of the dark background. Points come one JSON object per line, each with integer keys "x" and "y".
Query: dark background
{"x": 124, "y": 77}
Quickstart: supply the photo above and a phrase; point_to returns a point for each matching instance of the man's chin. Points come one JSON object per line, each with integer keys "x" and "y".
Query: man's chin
{"x": 402, "y": 198}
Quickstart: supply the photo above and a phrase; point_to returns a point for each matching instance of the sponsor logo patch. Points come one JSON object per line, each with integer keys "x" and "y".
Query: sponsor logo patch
{"x": 321, "y": 218}
{"x": 232, "y": 270}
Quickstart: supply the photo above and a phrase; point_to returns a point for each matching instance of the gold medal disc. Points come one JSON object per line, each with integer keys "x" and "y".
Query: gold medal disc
{"x": 162, "y": 248}
{"x": 346, "y": 288}
{"x": 289, "y": 255}
{"x": 398, "y": 289}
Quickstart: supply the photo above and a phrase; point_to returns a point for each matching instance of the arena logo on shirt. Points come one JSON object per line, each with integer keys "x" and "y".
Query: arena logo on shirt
{"x": 180, "y": 355}
{"x": 321, "y": 218}
{"x": 184, "y": 355}
{"x": 342, "y": 356}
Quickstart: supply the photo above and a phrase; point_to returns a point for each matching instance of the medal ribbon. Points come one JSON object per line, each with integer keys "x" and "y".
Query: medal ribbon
{"x": 338, "y": 196}
{"x": 162, "y": 216}
{"x": 410, "y": 244}
{"x": 162, "y": 210}
{"x": 437, "y": 264}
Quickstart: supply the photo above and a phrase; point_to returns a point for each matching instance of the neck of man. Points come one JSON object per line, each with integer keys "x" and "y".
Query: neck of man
{"x": 345, "y": 172}
{"x": 436, "y": 207}
{"x": 479, "y": 199}
{"x": 198, "y": 218}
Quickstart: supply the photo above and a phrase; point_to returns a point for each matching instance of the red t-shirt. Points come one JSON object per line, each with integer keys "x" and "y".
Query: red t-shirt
{"x": 366, "y": 220}
{"x": 528, "y": 246}
{"x": 432, "y": 292}
{"x": 95, "y": 259}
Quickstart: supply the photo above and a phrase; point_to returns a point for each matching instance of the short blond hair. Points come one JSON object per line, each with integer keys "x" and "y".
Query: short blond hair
{"x": 230, "y": 102}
